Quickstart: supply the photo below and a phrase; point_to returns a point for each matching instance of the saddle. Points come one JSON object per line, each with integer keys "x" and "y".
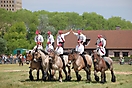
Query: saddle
{"x": 85, "y": 61}
{"x": 106, "y": 61}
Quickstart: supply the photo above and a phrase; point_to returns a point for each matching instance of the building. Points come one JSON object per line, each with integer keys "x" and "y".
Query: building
{"x": 11, "y": 5}
{"x": 119, "y": 42}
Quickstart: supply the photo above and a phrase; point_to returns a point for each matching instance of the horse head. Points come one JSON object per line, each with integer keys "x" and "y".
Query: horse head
{"x": 37, "y": 55}
{"x": 95, "y": 56}
{"x": 52, "y": 53}
{"x": 29, "y": 57}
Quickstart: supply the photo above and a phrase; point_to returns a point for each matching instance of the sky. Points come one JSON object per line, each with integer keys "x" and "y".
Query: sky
{"x": 106, "y": 8}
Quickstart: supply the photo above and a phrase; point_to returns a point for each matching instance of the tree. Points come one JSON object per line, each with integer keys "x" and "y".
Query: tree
{"x": 16, "y": 37}
{"x": 2, "y": 46}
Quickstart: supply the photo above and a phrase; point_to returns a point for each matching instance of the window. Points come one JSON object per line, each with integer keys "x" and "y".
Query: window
{"x": 12, "y": 9}
{"x": 125, "y": 54}
{"x": 7, "y": 5}
{"x": 7, "y": 9}
{"x": 4, "y": 5}
{"x": 4, "y": 1}
{"x": 116, "y": 54}
{"x": 1, "y": 5}
{"x": 1, "y": 1}
{"x": 12, "y": 5}
{"x": 12, "y": 1}
{"x": 7, "y": 1}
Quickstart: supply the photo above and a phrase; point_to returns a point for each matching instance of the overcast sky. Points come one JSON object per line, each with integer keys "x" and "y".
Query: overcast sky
{"x": 106, "y": 8}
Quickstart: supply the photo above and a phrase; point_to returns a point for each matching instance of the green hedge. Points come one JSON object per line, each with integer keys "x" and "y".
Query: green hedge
{"x": 117, "y": 58}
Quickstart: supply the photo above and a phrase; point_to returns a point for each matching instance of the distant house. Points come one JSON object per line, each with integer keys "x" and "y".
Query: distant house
{"x": 119, "y": 42}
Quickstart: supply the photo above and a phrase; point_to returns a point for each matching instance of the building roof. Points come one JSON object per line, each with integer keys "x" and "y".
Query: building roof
{"x": 116, "y": 39}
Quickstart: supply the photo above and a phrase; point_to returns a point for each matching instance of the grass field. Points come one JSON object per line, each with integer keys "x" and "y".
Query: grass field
{"x": 14, "y": 76}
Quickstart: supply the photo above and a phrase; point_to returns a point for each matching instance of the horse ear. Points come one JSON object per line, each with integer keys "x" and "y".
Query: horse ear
{"x": 29, "y": 52}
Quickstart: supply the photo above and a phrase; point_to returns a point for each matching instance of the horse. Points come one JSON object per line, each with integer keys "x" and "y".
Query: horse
{"x": 102, "y": 64}
{"x": 21, "y": 59}
{"x": 33, "y": 65}
{"x": 60, "y": 64}
{"x": 78, "y": 64}
{"x": 41, "y": 54}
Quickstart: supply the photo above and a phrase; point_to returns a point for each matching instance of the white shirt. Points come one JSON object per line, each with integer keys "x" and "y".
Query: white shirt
{"x": 60, "y": 38}
{"x": 49, "y": 47}
{"x": 38, "y": 38}
{"x": 39, "y": 47}
{"x": 80, "y": 48}
{"x": 81, "y": 37}
{"x": 101, "y": 40}
{"x": 59, "y": 50}
{"x": 50, "y": 38}
{"x": 101, "y": 51}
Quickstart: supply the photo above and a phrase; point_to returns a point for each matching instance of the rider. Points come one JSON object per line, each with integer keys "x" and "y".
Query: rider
{"x": 100, "y": 40}
{"x": 59, "y": 50}
{"x": 49, "y": 47}
{"x": 80, "y": 49}
{"x": 101, "y": 50}
{"x": 38, "y": 46}
{"x": 60, "y": 38}
{"x": 38, "y": 38}
{"x": 81, "y": 37}
{"x": 50, "y": 38}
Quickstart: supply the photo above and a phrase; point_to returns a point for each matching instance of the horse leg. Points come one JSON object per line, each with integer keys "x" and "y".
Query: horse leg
{"x": 30, "y": 75}
{"x": 60, "y": 75}
{"x": 105, "y": 77}
{"x": 102, "y": 76}
{"x": 64, "y": 69}
{"x": 113, "y": 79}
{"x": 96, "y": 77}
{"x": 38, "y": 74}
{"x": 88, "y": 73}
{"x": 69, "y": 73}
{"x": 78, "y": 76}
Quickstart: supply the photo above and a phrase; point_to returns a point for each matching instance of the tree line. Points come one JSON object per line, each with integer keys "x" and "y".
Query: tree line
{"x": 17, "y": 29}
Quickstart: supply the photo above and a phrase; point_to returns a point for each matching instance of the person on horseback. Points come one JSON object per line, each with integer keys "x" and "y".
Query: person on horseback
{"x": 60, "y": 38}
{"x": 80, "y": 37}
{"x": 80, "y": 49}
{"x": 49, "y": 47}
{"x": 100, "y": 40}
{"x": 38, "y": 38}
{"x": 101, "y": 50}
{"x": 37, "y": 47}
{"x": 59, "y": 50}
{"x": 50, "y": 38}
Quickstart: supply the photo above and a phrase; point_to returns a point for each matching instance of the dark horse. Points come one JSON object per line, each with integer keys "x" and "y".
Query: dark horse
{"x": 79, "y": 64}
{"x": 33, "y": 65}
{"x": 102, "y": 64}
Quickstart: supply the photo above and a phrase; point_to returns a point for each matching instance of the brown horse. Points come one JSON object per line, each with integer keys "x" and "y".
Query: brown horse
{"x": 59, "y": 64}
{"x": 33, "y": 65}
{"x": 101, "y": 65}
{"x": 41, "y": 55}
{"x": 79, "y": 64}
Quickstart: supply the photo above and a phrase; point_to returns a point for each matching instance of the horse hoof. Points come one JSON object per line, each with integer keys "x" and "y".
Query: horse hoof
{"x": 60, "y": 80}
{"x": 113, "y": 79}
{"x": 97, "y": 78}
{"x": 79, "y": 78}
{"x": 31, "y": 78}
{"x": 102, "y": 82}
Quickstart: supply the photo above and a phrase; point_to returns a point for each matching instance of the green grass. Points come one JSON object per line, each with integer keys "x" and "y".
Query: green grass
{"x": 14, "y": 76}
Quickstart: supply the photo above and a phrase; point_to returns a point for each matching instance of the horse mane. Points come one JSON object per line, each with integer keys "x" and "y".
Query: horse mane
{"x": 74, "y": 51}
{"x": 44, "y": 52}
